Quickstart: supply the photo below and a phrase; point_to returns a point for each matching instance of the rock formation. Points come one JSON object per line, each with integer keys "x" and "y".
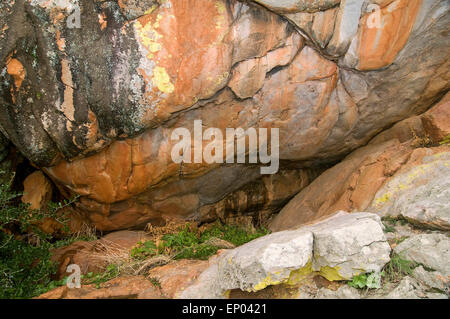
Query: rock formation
{"x": 92, "y": 99}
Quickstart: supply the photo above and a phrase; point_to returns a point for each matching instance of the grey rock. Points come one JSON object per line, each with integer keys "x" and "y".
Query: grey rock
{"x": 337, "y": 248}
{"x": 432, "y": 279}
{"x": 430, "y": 250}
{"x": 350, "y": 243}
{"x": 282, "y": 6}
{"x": 408, "y": 288}
{"x": 344, "y": 292}
{"x": 346, "y": 26}
{"x": 421, "y": 195}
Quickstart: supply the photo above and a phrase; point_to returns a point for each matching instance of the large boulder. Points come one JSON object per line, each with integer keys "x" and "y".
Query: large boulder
{"x": 128, "y": 287}
{"x": 419, "y": 195}
{"x": 37, "y": 190}
{"x": 429, "y": 250}
{"x": 338, "y": 248}
{"x": 402, "y": 172}
{"x": 93, "y": 102}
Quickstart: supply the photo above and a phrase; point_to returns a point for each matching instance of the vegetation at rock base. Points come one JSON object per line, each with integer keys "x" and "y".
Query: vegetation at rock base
{"x": 189, "y": 243}
{"x": 398, "y": 267}
{"x": 394, "y": 271}
{"x": 111, "y": 272}
{"x": 155, "y": 281}
{"x": 370, "y": 281}
{"x": 26, "y": 269}
{"x": 25, "y": 266}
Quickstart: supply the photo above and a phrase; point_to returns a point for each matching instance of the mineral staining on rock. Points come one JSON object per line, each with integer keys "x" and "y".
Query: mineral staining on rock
{"x": 228, "y": 63}
{"x": 420, "y": 195}
{"x": 337, "y": 248}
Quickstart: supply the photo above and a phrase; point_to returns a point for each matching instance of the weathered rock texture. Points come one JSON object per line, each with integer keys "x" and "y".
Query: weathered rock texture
{"x": 131, "y": 287}
{"x": 430, "y": 250}
{"x": 338, "y": 248}
{"x": 94, "y": 106}
{"x": 397, "y": 174}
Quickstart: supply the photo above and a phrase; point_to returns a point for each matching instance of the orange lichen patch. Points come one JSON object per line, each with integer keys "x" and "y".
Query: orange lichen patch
{"x": 57, "y": 17}
{"x": 122, "y": 3}
{"x": 102, "y": 20}
{"x": 67, "y": 106}
{"x": 378, "y": 47}
{"x": 61, "y": 42}
{"x": 191, "y": 60}
{"x": 17, "y": 71}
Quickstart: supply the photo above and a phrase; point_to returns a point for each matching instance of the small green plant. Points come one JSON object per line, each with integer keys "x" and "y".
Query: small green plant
{"x": 397, "y": 268}
{"x": 112, "y": 271}
{"x": 390, "y": 220}
{"x": 233, "y": 234}
{"x": 155, "y": 281}
{"x": 388, "y": 228}
{"x": 398, "y": 240}
{"x": 368, "y": 280}
{"x": 143, "y": 250}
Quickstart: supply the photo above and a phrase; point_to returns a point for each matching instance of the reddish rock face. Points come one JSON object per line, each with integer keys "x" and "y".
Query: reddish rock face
{"x": 175, "y": 277}
{"x": 94, "y": 256}
{"x": 37, "y": 190}
{"x": 129, "y": 287}
{"x": 352, "y": 184}
{"x": 95, "y": 106}
{"x": 378, "y": 47}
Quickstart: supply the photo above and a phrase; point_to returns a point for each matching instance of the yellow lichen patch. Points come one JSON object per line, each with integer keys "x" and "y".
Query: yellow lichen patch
{"x": 162, "y": 80}
{"x": 149, "y": 37}
{"x": 220, "y": 20}
{"x": 383, "y": 199}
{"x": 264, "y": 283}
{"x": 331, "y": 273}
{"x": 298, "y": 275}
{"x": 151, "y": 9}
{"x": 226, "y": 294}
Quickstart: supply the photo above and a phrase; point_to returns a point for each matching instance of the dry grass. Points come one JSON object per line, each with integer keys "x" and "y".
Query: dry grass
{"x": 109, "y": 253}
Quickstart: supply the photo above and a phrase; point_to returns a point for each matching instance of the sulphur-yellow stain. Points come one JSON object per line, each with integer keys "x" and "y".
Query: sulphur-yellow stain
{"x": 331, "y": 273}
{"x": 220, "y": 22}
{"x": 268, "y": 281}
{"x": 149, "y": 37}
{"x": 151, "y": 9}
{"x": 298, "y": 275}
{"x": 162, "y": 80}
{"x": 383, "y": 199}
